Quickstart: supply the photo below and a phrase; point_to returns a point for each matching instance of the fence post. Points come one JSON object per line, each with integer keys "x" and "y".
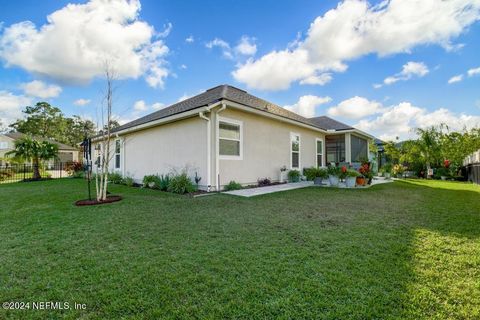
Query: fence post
{"x": 24, "y": 170}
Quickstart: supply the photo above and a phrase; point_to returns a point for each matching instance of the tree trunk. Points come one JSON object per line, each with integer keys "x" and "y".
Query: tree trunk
{"x": 36, "y": 170}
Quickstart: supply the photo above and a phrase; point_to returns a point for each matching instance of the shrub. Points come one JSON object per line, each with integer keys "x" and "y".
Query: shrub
{"x": 115, "y": 178}
{"x": 78, "y": 174}
{"x": 150, "y": 181}
{"x": 333, "y": 171}
{"x": 312, "y": 173}
{"x": 293, "y": 175}
{"x": 128, "y": 181}
{"x": 232, "y": 185}
{"x": 163, "y": 182}
{"x": 181, "y": 184}
{"x": 262, "y": 182}
{"x": 387, "y": 167}
{"x": 73, "y": 167}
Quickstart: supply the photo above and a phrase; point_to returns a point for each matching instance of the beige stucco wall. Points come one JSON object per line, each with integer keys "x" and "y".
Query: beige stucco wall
{"x": 266, "y": 148}
{"x": 9, "y": 147}
{"x": 161, "y": 149}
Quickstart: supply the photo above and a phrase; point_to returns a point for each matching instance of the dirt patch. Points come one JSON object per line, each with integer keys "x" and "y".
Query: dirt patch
{"x": 94, "y": 202}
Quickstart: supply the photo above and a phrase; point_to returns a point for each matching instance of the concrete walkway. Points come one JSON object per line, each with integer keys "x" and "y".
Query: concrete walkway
{"x": 270, "y": 189}
{"x": 297, "y": 185}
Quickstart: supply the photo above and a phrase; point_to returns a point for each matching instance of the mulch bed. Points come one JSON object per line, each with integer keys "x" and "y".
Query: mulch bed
{"x": 94, "y": 202}
{"x": 251, "y": 186}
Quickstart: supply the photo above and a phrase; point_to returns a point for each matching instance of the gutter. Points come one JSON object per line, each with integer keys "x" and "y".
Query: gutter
{"x": 217, "y": 151}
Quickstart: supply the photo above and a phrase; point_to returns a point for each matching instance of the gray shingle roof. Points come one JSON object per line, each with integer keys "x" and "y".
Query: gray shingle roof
{"x": 61, "y": 146}
{"x": 327, "y": 123}
{"x": 214, "y": 95}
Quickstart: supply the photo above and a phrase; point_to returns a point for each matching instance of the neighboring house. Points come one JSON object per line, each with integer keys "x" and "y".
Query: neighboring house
{"x": 7, "y": 143}
{"x": 226, "y": 134}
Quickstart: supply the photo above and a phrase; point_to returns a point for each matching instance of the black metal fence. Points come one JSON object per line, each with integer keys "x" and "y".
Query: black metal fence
{"x": 473, "y": 172}
{"x": 27, "y": 172}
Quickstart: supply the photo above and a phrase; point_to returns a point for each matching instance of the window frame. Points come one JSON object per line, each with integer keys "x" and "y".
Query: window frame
{"x": 351, "y": 147}
{"x": 295, "y": 134}
{"x": 240, "y": 140}
{"x": 321, "y": 152}
{"x": 119, "y": 154}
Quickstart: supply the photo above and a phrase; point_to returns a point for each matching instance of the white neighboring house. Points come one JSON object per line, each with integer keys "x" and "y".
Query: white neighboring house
{"x": 66, "y": 153}
{"x": 225, "y": 134}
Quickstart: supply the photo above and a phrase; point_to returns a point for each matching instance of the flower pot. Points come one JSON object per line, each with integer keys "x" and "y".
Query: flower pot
{"x": 350, "y": 182}
{"x": 361, "y": 181}
{"x": 283, "y": 176}
{"x": 151, "y": 185}
{"x": 387, "y": 175}
{"x": 333, "y": 180}
{"x": 318, "y": 181}
{"x": 443, "y": 178}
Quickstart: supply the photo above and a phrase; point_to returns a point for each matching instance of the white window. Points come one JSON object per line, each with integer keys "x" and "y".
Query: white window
{"x": 117, "y": 154}
{"x": 230, "y": 139}
{"x": 319, "y": 147}
{"x": 295, "y": 150}
{"x": 3, "y": 145}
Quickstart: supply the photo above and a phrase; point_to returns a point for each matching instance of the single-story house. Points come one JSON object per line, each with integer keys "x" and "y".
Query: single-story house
{"x": 66, "y": 153}
{"x": 226, "y": 134}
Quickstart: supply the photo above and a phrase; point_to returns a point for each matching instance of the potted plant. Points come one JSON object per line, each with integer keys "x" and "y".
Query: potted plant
{"x": 283, "y": 174}
{"x": 333, "y": 175}
{"x": 293, "y": 176}
{"x": 366, "y": 174}
{"x": 321, "y": 175}
{"x": 351, "y": 178}
{"x": 387, "y": 170}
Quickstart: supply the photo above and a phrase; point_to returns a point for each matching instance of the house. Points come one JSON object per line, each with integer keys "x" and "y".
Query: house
{"x": 227, "y": 134}
{"x": 7, "y": 143}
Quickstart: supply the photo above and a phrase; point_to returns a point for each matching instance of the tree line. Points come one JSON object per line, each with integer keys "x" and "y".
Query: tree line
{"x": 48, "y": 122}
{"x": 436, "y": 147}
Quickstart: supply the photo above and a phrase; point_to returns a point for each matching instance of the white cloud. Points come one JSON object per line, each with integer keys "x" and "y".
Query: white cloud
{"x": 189, "y": 39}
{"x": 455, "y": 79}
{"x": 77, "y": 40}
{"x": 223, "y": 45}
{"x": 40, "y": 89}
{"x": 183, "y": 67}
{"x": 400, "y": 121}
{"x": 246, "y": 46}
{"x": 355, "y": 108}
{"x": 354, "y": 29}
{"x": 473, "y": 72}
{"x": 409, "y": 70}
{"x": 11, "y": 106}
{"x": 158, "y": 106}
{"x": 377, "y": 85}
{"x": 140, "y": 105}
{"x": 306, "y": 105}
{"x": 81, "y": 102}
{"x": 321, "y": 79}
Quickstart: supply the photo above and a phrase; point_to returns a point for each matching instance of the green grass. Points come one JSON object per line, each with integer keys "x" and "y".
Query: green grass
{"x": 406, "y": 250}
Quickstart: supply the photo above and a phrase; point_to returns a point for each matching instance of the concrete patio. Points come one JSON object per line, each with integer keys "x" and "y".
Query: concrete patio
{"x": 252, "y": 192}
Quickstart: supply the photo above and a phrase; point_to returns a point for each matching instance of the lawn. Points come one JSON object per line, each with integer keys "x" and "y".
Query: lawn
{"x": 406, "y": 250}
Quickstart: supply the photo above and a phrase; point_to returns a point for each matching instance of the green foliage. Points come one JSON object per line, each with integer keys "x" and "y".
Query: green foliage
{"x": 334, "y": 171}
{"x": 128, "y": 181}
{"x": 232, "y": 185}
{"x": 163, "y": 181}
{"x": 48, "y": 122}
{"x": 150, "y": 179}
{"x": 115, "y": 177}
{"x": 313, "y": 172}
{"x": 181, "y": 184}
{"x": 352, "y": 173}
{"x": 387, "y": 168}
{"x": 293, "y": 176}
{"x": 29, "y": 149}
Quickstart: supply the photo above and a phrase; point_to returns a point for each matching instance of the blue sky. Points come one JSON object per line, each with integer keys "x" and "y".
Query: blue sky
{"x": 385, "y": 67}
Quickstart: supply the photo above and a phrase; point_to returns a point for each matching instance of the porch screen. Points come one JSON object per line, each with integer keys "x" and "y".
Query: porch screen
{"x": 335, "y": 148}
{"x": 359, "y": 149}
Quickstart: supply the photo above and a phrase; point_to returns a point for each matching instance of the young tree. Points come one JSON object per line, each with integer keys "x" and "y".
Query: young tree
{"x": 429, "y": 144}
{"x": 101, "y": 178}
{"x": 35, "y": 151}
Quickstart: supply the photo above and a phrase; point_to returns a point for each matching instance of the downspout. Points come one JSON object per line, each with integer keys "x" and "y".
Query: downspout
{"x": 217, "y": 152}
{"x": 209, "y": 152}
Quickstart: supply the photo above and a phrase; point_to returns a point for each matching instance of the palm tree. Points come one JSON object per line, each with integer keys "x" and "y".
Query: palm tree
{"x": 29, "y": 149}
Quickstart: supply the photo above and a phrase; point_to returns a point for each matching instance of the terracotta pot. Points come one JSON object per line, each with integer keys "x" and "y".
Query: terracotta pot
{"x": 361, "y": 181}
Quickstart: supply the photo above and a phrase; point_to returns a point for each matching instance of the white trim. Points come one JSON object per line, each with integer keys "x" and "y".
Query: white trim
{"x": 119, "y": 154}
{"x": 217, "y": 144}
{"x": 209, "y": 149}
{"x": 322, "y": 152}
{"x": 234, "y": 122}
{"x": 292, "y": 134}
